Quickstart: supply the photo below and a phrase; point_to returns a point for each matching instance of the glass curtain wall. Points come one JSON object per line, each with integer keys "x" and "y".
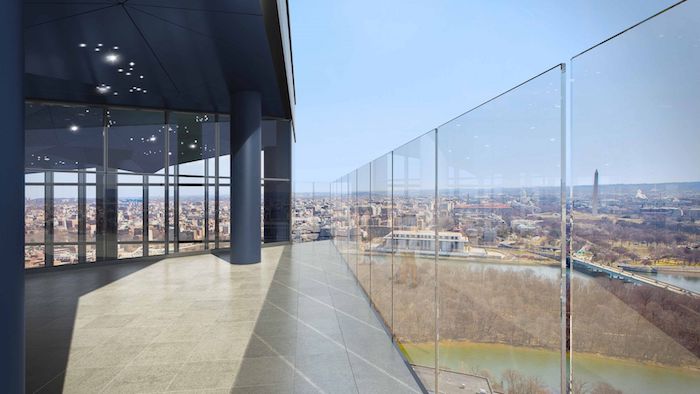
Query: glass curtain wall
{"x": 135, "y": 151}
{"x": 635, "y": 191}
{"x": 63, "y": 152}
{"x": 193, "y": 143}
{"x": 109, "y": 183}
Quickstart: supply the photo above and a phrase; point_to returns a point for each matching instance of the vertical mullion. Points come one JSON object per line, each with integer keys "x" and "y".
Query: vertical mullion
{"x": 217, "y": 148}
{"x": 176, "y": 204}
{"x": 358, "y": 231}
{"x": 437, "y": 254}
{"x": 391, "y": 218}
{"x": 166, "y": 183}
{"x": 564, "y": 247}
{"x": 48, "y": 219}
{"x": 82, "y": 188}
{"x": 369, "y": 232}
{"x": 206, "y": 197}
{"x": 144, "y": 209}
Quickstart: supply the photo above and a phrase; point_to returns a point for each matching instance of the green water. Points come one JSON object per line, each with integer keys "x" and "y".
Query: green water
{"x": 628, "y": 376}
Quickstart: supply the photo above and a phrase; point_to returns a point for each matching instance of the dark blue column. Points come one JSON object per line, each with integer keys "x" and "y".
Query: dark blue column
{"x": 12, "y": 199}
{"x": 246, "y": 142}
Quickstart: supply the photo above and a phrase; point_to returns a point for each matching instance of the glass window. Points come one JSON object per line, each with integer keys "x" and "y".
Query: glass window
{"x": 211, "y": 212}
{"x": 65, "y": 254}
{"x": 224, "y": 213}
{"x": 90, "y": 213}
{"x": 128, "y": 251}
{"x": 191, "y": 214}
{"x": 136, "y": 142}
{"x": 34, "y": 218}
{"x": 65, "y": 214}
{"x": 192, "y": 141}
{"x": 225, "y": 146}
{"x": 156, "y": 213}
{"x": 63, "y": 137}
{"x": 130, "y": 213}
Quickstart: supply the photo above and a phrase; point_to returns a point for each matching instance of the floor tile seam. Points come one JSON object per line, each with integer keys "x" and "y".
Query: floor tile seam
{"x": 334, "y": 309}
{"x": 378, "y": 368}
{"x": 337, "y": 289}
{"x": 257, "y": 316}
{"x": 350, "y": 351}
{"x": 65, "y": 370}
{"x": 289, "y": 363}
{"x": 342, "y": 336}
{"x": 49, "y": 381}
{"x": 130, "y": 363}
{"x": 322, "y": 270}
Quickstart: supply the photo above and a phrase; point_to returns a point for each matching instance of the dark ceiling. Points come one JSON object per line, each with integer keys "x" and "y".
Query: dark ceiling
{"x": 174, "y": 54}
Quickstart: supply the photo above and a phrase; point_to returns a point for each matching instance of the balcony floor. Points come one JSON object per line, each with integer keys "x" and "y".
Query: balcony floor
{"x": 297, "y": 322}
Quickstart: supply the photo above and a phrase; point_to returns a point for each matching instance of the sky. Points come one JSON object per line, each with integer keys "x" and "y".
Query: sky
{"x": 372, "y": 75}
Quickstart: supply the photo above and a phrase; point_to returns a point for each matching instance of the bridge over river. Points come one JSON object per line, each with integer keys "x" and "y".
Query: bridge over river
{"x": 630, "y": 277}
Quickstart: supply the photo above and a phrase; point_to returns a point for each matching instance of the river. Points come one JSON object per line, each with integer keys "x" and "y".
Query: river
{"x": 690, "y": 281}
{"x": 629, "y": 376}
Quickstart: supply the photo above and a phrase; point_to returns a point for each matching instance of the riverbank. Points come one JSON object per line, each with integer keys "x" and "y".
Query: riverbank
{"x": 627, "y": 375}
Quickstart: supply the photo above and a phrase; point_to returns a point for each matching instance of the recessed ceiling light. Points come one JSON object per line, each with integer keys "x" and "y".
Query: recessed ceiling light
{"x": 141, "y": 76}
{"x": 132, "y": 64}
{"x": 116, "y": 48}
{"x": 82, "y": 45}
{"x": 74, "y": 128}
{"x": 112, "y": 58}
{"x": 99, "y": 45}
{"x": 128, "y": 73}
{"x": 103, "y": 89}
{"x": 116, "y": 93}
{"x": 145, "y": 91}
{"x": 97, "y": 49}
{"x": 120, "y": 70}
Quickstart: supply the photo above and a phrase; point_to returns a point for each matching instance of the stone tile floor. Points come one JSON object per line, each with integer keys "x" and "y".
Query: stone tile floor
{"x": 297, "y": 322}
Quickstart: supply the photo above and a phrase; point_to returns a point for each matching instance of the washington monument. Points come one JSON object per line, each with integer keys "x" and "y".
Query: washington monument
{"x": 594, "y": 200}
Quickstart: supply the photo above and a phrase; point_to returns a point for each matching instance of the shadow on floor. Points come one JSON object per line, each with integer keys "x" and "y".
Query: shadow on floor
{"x": 51, "y": 303}
{"x": 316, "y": 332}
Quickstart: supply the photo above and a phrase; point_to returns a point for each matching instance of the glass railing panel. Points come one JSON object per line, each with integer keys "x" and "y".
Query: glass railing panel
{"x": 341, "y": 230}
{"x": 353, "y": 223}
{"x": 413, "y": 251}
{"x": 363, "y": 213}
{"x": 635, "y": 184}
{"x": 499, "y": 265}
{"x": 379, "y": 238}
